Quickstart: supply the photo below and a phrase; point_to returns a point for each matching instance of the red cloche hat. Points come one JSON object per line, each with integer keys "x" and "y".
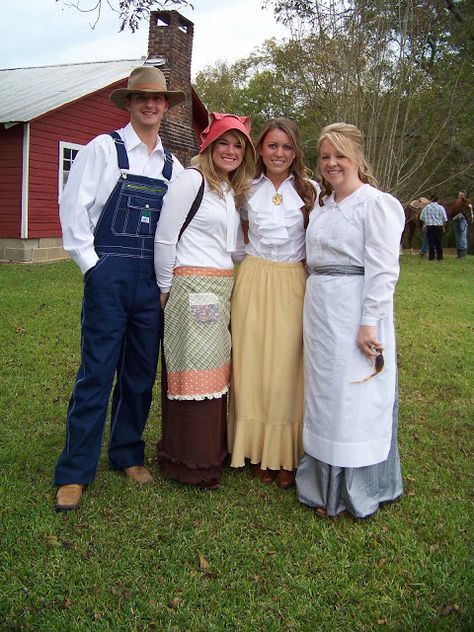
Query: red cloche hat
{"x": 220, "y": 124}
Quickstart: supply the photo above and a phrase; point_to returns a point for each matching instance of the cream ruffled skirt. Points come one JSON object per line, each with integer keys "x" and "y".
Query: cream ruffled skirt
{"x": 266, "y": 410}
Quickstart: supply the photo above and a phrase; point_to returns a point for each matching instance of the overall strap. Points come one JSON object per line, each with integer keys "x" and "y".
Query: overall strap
{"x": 122, "y": 157}
{"x": 194, "y": 207}
{"x": 168, "y": 166}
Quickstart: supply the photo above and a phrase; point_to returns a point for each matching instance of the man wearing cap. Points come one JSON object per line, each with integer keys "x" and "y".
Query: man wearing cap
{"x": 109, "y": 211}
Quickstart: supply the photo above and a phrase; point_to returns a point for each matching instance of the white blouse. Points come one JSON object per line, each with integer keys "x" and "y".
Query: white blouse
{"x": 210, "y": 238}
{"x": 276, "y": 231}
{"x": 362, "y": 230}
{"x": 92, "y": 179}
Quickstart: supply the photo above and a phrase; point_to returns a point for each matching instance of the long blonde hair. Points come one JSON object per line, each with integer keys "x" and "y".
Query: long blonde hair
{"x": 239, "y": 180}
{"x": 298, "y": 169}
{"x": 349, "y": 141}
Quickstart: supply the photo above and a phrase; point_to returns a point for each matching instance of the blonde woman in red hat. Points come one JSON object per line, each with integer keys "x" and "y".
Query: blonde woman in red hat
{"x": 194, "y": 269}
{"x": 266, "y": 415}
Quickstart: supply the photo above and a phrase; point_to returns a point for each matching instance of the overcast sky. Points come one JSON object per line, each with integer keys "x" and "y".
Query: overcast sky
{"x": 43, "y": 32}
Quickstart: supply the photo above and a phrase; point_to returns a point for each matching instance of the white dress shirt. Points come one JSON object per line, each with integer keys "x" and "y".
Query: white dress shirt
{"x": 276, "y": 232}
{"x": 210, "y": 238}
{"x": 93, "y": 176}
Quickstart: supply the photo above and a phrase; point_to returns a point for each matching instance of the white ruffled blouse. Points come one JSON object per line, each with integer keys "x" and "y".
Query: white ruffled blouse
{"x": 276, "y": 231}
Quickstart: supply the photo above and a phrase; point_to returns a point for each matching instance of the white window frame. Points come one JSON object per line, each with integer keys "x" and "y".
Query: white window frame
{"x": 62, "y": 146}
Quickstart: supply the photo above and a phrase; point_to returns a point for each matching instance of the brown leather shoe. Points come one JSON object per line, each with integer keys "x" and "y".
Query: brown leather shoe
{"x": 139, "y": 474}
{"x": 68, "y": 497}
{"x": 322, "y": 513}
{"x": 266, "y": 476}
{"x": 285, "y": 478}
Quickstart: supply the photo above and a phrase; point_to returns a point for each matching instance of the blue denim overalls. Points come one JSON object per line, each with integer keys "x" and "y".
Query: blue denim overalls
{"x": 121, "y": 324}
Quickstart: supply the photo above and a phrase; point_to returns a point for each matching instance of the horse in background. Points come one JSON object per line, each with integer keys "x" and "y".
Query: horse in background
{"x": 461, "y": 204}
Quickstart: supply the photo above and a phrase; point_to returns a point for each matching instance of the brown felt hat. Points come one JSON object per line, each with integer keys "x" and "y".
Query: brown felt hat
{"x": 146, "y": 80}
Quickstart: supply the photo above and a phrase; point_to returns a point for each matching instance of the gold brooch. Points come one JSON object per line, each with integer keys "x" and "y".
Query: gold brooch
{"x": 277, "y": 199}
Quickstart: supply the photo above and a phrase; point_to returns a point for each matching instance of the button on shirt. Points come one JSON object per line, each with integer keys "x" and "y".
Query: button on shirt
{"x": 433, "y": 215}
{"x": 92, "y": 179}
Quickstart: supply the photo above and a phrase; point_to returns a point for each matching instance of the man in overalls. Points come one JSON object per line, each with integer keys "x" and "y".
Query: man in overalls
{"x": 109, "y": 211}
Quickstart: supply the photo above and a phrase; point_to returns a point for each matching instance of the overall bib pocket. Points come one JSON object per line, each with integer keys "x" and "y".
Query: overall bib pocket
{"x": 137, "y": 214}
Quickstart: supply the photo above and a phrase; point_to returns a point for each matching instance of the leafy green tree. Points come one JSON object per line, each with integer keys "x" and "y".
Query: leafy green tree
{"x": 400, "y": 70}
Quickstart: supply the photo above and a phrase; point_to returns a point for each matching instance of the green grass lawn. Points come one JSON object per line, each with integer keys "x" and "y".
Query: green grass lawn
{"x": 246, "y": 557}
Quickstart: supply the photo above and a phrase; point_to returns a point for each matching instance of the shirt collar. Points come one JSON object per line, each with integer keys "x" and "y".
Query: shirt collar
{"x": 262, "y": 176}
{"x": 132, "y": 140}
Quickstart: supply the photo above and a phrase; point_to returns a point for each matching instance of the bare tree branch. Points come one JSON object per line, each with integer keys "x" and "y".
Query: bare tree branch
{"x": 130, "y": 12}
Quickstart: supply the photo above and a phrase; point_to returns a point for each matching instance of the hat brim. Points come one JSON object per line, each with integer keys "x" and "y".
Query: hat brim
{"x": 119, "y": 96}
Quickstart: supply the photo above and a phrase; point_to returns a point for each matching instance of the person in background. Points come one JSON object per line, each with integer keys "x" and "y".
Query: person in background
{"x": 266, "y": 413}
{"x": 425, "y": 246}
{"x": 195, "y": 272}
{"x": 460, "y": 225}
{"x": 109, "y": 211}
{"x": 434, "y": 218}
{"x": 351, "y": 461}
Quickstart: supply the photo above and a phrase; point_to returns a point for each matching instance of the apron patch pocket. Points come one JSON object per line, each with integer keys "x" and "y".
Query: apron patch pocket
{"x": 204, "y": 307}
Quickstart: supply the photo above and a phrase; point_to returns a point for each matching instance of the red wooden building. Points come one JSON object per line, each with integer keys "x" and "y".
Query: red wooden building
{"x": 60, "y": 110}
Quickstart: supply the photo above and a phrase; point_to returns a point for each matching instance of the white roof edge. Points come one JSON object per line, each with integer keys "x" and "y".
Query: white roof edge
{"x": 46, "y": 88}
{"x": 86, "y": 63}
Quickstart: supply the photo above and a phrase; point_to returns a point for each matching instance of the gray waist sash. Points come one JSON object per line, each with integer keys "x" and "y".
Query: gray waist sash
{"x": 345, "y": 270}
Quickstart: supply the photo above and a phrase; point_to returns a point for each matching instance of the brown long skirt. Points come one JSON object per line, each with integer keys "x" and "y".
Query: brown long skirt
{"x": 193, "y": 446}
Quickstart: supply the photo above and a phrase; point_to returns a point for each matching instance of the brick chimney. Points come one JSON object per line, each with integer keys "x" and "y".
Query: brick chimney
{"x": 171, "y": 38}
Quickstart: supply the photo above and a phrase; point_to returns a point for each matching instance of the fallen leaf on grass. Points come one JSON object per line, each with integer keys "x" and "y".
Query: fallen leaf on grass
{"x": 174, "y": 603}
{"x": 203, "y": 563}
{"x": 447, "y": 610}
{"x": 67, "y": 603}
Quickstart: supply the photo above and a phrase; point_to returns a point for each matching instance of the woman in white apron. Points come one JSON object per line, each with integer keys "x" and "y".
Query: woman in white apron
{"x": 351, "y": 460}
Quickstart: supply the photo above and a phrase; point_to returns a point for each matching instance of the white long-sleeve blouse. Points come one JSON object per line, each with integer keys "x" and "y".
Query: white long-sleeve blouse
{"x": 362, "y": 230}
{"x": 210, "y": 238}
